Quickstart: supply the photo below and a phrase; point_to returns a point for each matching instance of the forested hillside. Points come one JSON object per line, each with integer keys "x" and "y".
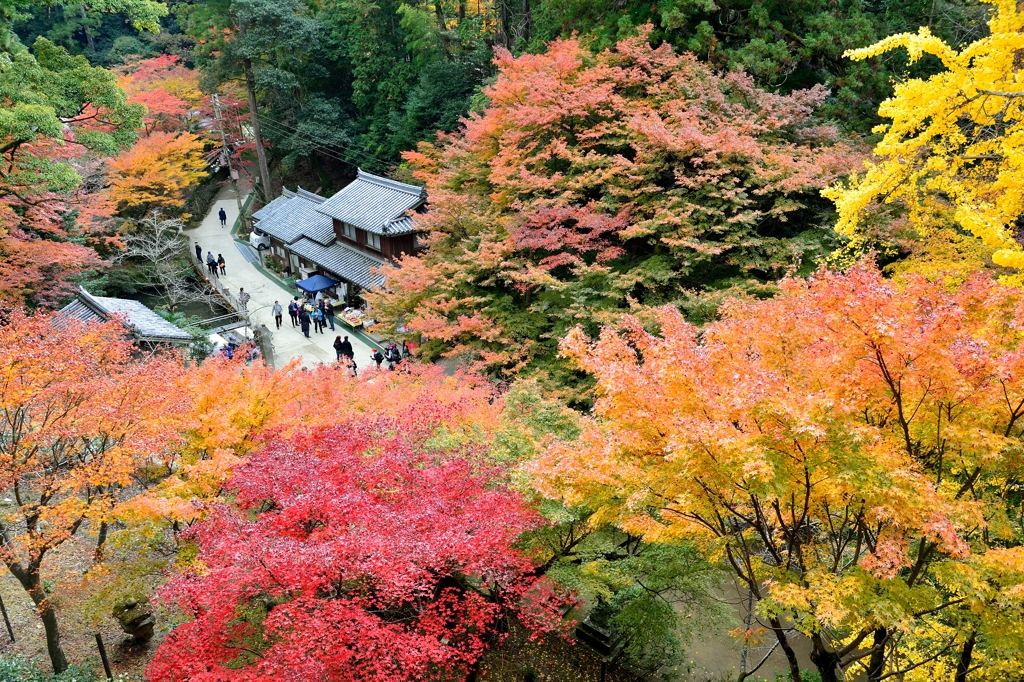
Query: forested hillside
{"x": 368, "y": 80}
{"x": 702, "y": 320}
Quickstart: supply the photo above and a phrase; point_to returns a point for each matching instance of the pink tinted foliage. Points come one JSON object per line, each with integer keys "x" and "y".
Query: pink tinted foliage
{"x": 355, "y": 553}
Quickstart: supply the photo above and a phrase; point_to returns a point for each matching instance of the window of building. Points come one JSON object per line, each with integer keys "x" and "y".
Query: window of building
{"x": 373, "y": 240}
{"x": 349, "y": 230}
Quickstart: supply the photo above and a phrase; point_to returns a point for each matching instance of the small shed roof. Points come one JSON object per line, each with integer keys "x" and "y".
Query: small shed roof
{"x": 295, "y": 217}
{"x": 146, "y": 324}
{"x": 375, "y": 204}
{"x": 342, "y": 260}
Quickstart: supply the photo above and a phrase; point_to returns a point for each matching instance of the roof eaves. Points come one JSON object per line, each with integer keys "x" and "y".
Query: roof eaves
{"x": 90, "y": 302}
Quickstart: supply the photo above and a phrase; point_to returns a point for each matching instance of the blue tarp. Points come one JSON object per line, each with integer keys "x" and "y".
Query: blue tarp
{"x": 316, "y": 283}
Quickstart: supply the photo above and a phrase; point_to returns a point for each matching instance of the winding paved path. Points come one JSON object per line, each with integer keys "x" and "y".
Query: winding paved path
{"x": 289, "y": 343}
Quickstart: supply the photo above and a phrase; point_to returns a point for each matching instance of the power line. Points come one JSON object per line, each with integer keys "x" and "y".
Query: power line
{"x": 317, "y": 145}
{"x": 309, "y": 137}
{"x": 356, "y": 152}
{"x": 372, "y": 164}
{"x": 312, "y": 144}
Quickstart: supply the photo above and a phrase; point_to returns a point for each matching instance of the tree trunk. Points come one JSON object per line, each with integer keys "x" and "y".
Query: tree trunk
{"x": 794, "y": 665}
{"x": 527, "y": 22}
{"x": 261, "y": 154}
{"x": 504, "y": 33}
{"x": 30, "y": 581}
{"x": 877, "y": 661}
{"x": 462, "y": 10}
{"x": 98, "y": 554}
{"x": 439, "y": 12}
{"x": 825, "y": 660}
{"x": 963, "y": 666}
{"x": 85, "y": 28}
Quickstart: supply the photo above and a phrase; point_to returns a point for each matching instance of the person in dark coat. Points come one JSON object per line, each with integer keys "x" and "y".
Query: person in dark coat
{"x": 211, "y": 263}
{"x": 346, "y": 349}
{"x": 304, "y": 322}
{"x": 338, "y": 347}
{"x": 377, "y": 357}
{"x": 293, "y": 311}
{"x": 223, "y": 217}
{"x": 329, "y": 313}
{"x": 199, "y": 253}
{"x": 393, "y": 355}
{"x": 222, "y": 264}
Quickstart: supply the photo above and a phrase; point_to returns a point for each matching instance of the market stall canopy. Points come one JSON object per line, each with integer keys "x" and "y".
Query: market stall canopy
{"x": 316, "y": 283}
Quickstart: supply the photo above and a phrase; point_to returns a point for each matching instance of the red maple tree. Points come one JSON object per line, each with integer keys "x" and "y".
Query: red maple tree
{"x": 355, "y": 553}
{"x": 170, "y": 92}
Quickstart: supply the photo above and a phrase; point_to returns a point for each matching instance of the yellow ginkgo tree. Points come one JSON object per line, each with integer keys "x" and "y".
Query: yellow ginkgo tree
{"x": 954, "y": 148}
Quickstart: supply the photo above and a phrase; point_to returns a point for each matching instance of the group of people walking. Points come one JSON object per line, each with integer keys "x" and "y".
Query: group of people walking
{"x": 318, "y": 314}
{"x": 212, "y": 264}
{"x": 392, "y": 354}
{"x": 305, "y": 314}
{"x": 346, "y": 354}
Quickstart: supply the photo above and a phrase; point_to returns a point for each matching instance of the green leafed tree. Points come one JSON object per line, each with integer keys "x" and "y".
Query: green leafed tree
{"x": 262, "y": 44}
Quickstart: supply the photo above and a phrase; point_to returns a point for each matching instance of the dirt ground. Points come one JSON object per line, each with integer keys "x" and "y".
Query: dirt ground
{"x": 78, "y": 628}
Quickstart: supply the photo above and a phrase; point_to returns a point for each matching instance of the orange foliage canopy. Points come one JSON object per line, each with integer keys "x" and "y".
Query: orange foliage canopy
{"x": 236, "y": 407}
{"x": 849, "y": 448}
{"x": 156, "y": 172}
{"x": 637, "y": 176}
{"x": 79, "y": 415}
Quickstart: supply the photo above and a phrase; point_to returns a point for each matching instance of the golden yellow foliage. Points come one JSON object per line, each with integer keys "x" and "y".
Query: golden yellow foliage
{"x": 156, "y": 172}
{"x": 955, "y": 144}
{"x": 847, "y": 449}
{"x": 943, "y": 254}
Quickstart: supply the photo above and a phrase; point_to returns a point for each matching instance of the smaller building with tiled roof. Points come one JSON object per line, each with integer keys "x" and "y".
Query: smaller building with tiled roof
{"x": 348, "y": 236}
{"x": 375, "y": 204}
{"x": 294, "y": 215}
{"x": 145, "y": 325}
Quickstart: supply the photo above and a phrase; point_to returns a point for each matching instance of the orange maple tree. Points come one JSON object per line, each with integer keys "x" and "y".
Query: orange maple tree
{"x": 78, "y": 416}
{"x": 169, "y": 90}
{"x": 156, "y": 172}
{"x": 849, "y": 449}
{"x": 60, "y": 113}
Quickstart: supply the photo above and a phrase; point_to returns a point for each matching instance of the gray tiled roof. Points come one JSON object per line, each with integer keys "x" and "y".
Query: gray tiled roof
{"x": 77, "y": 310}
{"x": 272, "y": 208}
{"x": 342, "y": 260}
{"x": 375, "y": 204}
{"x": 146, "y": 324}
{"x": 296, "y": 217}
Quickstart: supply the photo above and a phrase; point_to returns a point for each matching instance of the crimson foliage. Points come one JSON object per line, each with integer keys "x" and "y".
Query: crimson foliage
{"x": 354, "y": 553}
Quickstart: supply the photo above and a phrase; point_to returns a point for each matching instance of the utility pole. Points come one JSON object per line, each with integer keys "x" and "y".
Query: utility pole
{"x": 227, "y": 157}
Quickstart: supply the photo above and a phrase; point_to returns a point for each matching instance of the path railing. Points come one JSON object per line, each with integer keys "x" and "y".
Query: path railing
{"x": 263, "y": 336}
